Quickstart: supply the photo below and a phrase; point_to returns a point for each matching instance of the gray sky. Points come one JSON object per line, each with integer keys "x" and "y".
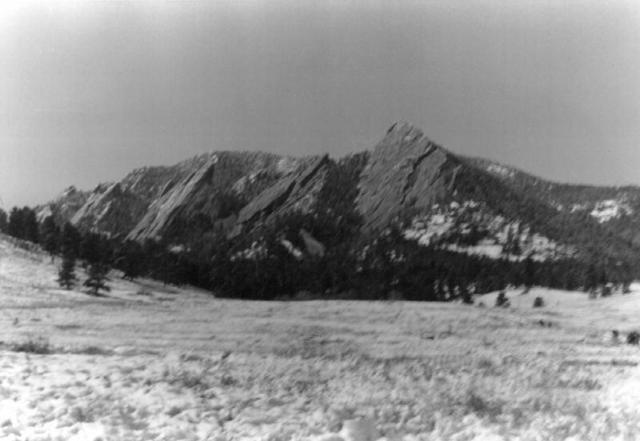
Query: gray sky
{"x": 92, "y": 89}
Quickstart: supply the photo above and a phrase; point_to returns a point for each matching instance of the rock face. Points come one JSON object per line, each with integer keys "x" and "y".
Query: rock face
{"x": 236, "y": 191}
{"x": 64, "y": 206}
{"x": 196, "y": 201}
{"x": 152, "y": 201}
{"x": 405, "y": 171}
{"x": 297, "y": 191}
{"x": 110, "y": 209}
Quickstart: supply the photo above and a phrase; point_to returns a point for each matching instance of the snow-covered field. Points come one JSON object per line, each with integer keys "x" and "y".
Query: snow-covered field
{"x": 162, "y": 363}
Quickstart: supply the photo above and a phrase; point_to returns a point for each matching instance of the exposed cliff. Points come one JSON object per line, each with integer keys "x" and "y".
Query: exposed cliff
{"x": 64, "y": 206}
{"x": 196, "y": 203}
{"x": 405, "y": 171}
{"x": 296, "y": 191}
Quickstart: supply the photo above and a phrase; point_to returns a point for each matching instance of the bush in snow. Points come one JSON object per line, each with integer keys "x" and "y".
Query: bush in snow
{"x": 502, "y": 301}
{"x": 538, "y": 302}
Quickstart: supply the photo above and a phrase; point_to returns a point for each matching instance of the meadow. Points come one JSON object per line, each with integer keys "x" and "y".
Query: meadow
{"x": 154, "y": 362}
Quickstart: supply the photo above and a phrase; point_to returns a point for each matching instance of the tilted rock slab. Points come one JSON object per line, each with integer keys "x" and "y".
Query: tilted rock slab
{"x": 297, "y": 191}
{"x": 405, "y": 171}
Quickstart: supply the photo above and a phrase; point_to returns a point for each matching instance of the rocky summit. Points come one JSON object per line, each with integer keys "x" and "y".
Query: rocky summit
{"x": 435, "y": 196}
{"x": 405, "y": 170}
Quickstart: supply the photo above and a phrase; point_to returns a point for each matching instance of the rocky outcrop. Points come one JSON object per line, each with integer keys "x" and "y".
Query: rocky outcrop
{"x": 196, "y": 203}
{"x": 296, "y": 191}
{"x": 64, "y": 206}
{"x": 405, "y": 171}
{"x": 174, "y": 196}
{"x": 116, "y": 208}
{"x": 110, "y": 210}
{"x": 149, "y": 201}
{"x": 313, "y": 247}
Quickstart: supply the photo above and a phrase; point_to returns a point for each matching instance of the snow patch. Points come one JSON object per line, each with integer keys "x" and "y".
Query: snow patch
{"x": 468, "y": 227}
{"x": 44, "y": 213}
{"x": 241, "y": 184}
{"x": 291, "y": 248}
{"x": 286, "y": 165}
{"x": 609, "y": 209}
{"x": 500, "y": 170}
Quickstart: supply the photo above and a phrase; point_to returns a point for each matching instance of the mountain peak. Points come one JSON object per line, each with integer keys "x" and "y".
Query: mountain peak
{"x": 404, "y": 129}
{"x": 405, "y": 170}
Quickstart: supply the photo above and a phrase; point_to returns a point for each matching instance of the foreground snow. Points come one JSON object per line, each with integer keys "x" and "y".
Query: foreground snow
{"x": 162, "y": 363}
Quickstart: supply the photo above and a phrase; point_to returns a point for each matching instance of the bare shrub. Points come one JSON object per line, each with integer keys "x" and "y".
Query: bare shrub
{"x": 502, "y": 301}
{"x": 93, "y": 350}
{"x": 538, "y": 302}
{"x": 481, "y": 406}
{"x": 33, "y": 346}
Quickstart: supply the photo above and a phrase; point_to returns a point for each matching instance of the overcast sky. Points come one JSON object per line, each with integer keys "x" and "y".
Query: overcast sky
{"x": 92, "y": 89}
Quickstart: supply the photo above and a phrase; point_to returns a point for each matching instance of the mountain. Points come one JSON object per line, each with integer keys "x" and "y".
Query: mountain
{"x": 152, "y": 201}
{"x": 436, "y": 197}
{"x": 616, "y": 208}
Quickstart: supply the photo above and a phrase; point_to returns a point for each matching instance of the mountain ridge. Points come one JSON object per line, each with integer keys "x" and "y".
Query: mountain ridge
{"x": 406, "y": 180}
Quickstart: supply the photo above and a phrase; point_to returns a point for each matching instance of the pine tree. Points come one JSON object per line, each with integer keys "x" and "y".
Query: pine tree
{"x": 529, "y": 275}
{"x": 91, "y": 249}
{"x": 591, "y": 279}
{"x": 50, "y": 234}
{"x": 66, "y": 275}
{"x": 96, "y": 281}
{"x": 131, "y": 260}
{"x": 30, "y": 225}
{"x": 15, "y": 225}
{"x": 4, "y": 222}
{"x": 70, "y": 240}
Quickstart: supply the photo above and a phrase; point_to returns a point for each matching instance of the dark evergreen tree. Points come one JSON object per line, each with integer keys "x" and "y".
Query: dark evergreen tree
{"x": 66, "y": 275}
{"x": 466, "y": 296}
{"x": 603, "y": 282}
{"x": 30, "y": 225}
{"x": 4, "y": 221}
{"x": 529, "y": 275}
{"x": 15, "y": 227}
{"x": 92, "y": 249}
{"x": 97, "y": 278}
{"x": 131, "y": 260}
{"x": 502, "y": 301}
{"x": 50, "y": 236}
{"x": 591, "y": 279}
{"x": 70, "y": 240}
{"x": 23, "y": 224}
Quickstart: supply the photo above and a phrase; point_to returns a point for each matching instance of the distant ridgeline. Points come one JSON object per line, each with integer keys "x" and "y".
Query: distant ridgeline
{"x": 407, "y": 219}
